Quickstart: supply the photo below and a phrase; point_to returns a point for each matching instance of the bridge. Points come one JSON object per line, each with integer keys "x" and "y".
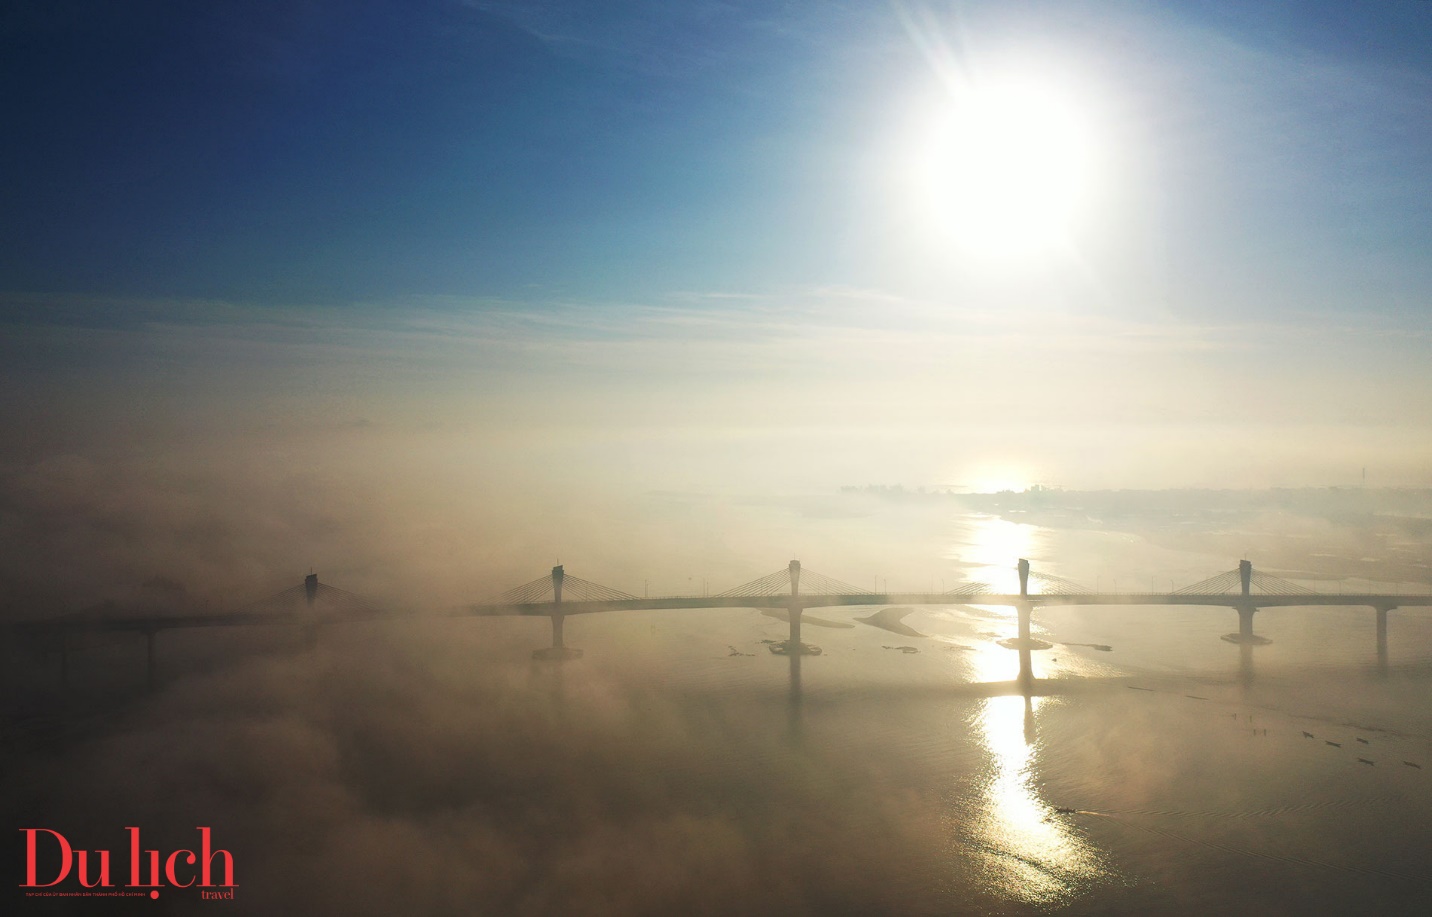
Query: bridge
{"x": 558, "y": 596}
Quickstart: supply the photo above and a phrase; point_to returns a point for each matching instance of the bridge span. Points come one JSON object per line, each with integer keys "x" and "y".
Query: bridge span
{"x": 558, "y": 596}
{"x": 544, "y": 598}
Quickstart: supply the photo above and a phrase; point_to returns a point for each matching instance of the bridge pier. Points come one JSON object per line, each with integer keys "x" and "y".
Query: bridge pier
{"x": 1245, "y": 635}
{"x": 793, "y": 645}
{"x": 559, "y": 650}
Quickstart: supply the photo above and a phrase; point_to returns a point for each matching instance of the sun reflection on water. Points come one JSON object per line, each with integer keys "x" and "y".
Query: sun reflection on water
{"x": 1029, "y": 851}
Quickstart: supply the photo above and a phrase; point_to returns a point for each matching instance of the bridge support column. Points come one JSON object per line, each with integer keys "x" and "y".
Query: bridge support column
{"x": 1023, "y": 641}
{"x": 559, "y": 650}
{"x": 1245, "y": 634}
{"x": 795, "y": 619}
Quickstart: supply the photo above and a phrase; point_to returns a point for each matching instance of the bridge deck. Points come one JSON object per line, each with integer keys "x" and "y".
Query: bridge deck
{"x": 155, "y": 623}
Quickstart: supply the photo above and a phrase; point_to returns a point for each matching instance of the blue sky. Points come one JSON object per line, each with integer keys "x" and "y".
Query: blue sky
{"x": 329, "y": 152}
{"x": 206, "y": 204}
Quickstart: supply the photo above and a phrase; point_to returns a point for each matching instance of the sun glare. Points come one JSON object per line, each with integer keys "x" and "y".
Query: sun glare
{"x": 1031, "y": 854}
{"x": 996, "y": 476}
{"x": 1004, "y": 168}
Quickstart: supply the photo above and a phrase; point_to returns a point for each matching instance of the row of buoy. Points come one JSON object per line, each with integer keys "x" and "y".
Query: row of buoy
{"x": 1360, "y": 739}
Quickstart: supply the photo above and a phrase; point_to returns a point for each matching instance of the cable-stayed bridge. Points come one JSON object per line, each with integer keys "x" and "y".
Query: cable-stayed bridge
{"x": 313, "y": 605}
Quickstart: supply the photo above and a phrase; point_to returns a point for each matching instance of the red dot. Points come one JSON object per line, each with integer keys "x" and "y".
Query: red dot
{"x": 154, "y": 894}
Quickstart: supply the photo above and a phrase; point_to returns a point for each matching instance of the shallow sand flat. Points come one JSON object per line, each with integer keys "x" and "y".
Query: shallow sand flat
{"x": 890, "y": 619}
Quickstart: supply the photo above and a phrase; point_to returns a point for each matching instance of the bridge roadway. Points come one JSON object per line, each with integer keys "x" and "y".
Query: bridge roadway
{"x": 1023, "y": 603}
{"x": 153, "y": 623}
{"x": 544, "y": 598}
{"x": 1014, "y": 600}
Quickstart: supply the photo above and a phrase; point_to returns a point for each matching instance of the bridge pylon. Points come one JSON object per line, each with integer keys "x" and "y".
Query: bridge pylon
{"x": 1246, "y": 609}
{"x": 1024, "y": 613}
{"x": 310, "y": 595}
{"x": 795, "y": 607}
{"x": 558, "y": 651}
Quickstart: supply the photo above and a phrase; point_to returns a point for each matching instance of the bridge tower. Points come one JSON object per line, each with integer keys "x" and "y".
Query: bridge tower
{"x": 1246, "y": 608}
{"x": 796, "y": 648}
{"x": 795, "y": 609}
{"x": 1023, "y": 641}
{"x": 558, "y": 574}
{"x": 310, "y": 594}
{"x": 559, "y": 649}
{"x": 1025, "y": 612}
{"x": 1025, "y": 608}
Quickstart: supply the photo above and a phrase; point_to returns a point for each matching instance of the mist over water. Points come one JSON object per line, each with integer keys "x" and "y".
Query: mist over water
{"x": 431, "y": 766}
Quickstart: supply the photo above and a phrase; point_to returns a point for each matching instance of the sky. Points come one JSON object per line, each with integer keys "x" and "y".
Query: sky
{"x": 464, "y": 257}
{"x": 323, "y": 152}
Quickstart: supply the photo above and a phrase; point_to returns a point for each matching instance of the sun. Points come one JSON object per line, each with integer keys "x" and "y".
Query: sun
{"x": 1004, "y": 168}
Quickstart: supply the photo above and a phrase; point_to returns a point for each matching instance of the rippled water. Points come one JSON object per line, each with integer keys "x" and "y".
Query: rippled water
{"x": 1163, "y": 776}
